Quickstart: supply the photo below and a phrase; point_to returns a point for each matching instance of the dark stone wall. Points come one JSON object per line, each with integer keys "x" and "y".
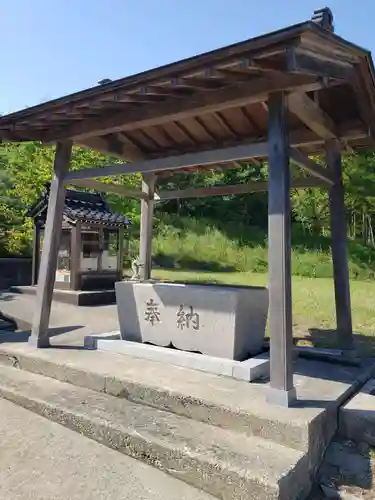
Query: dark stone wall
{"x": 15, "y": 271}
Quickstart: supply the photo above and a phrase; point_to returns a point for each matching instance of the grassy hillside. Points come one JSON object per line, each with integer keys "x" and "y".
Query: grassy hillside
{"x": 190, "y": 244}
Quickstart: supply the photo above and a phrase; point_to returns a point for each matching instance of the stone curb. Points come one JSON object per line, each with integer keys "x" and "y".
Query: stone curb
{"x": 251, "y": 369}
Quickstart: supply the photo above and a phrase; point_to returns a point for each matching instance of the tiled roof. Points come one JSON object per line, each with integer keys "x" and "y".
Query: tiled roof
{"x": 81, "y": 206}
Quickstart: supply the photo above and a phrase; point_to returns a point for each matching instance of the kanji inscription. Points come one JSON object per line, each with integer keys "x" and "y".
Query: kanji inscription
{"x": 152, "y": 313}
{"x": 187, "y": 319}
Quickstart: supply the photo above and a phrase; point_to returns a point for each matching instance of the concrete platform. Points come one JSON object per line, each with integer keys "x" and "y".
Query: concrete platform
{"x": 220, "y": 401}
{"x": 69, "y": 324}
{"x": 75, "y": 297}
{"x": 56, "y": 463}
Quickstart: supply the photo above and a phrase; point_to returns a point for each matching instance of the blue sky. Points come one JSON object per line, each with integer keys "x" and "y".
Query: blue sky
{"x": 50, "y": 48}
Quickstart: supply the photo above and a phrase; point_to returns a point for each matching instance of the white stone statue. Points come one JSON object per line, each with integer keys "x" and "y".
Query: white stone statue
{"x": 136, "y": 268}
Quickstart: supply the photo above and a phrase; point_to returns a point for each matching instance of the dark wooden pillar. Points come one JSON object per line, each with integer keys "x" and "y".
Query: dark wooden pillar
{"x": 47, "y": 273}
{"x": 282, "y": 391}
{"x": 36, "y": 254}
{"x": 120, "y": 251}
{"x": 147, "y": 212}
{"x": 339, "y": 247}
{"x": 75, "y": 257}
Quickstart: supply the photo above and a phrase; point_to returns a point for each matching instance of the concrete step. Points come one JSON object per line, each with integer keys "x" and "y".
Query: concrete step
{"x": 220, "y": 462}
{"x": 219, "y": 401}
{"x": 42, "y": 460}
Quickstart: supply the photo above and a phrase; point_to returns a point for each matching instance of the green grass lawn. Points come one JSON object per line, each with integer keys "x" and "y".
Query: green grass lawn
{"x": 313, "y": 304}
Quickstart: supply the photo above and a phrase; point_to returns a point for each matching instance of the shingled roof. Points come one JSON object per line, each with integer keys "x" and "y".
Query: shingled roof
{"x": 80, "y": 206}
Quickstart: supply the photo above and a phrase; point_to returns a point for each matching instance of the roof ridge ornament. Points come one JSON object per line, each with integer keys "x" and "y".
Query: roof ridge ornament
{"x": 324, "y": 18}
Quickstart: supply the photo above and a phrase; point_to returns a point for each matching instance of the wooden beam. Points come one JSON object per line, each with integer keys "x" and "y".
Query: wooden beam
{"x": 36, "y": 254}
{"x": 349, "y": 131}
{"x": 251, "y": 187}
{"x": 120, "y": 250}
{"x": 47, "y": 272}
{"x": 103, "y": 187}
{"x": 134, "y": 98}
{"x": 312, "y": 115}
{"x": 122, "y": 149}
{"x": 75, "y": 257}
{"x": 340, "y": 258}
{"x": 209, "y": 102}
{"x": 311, "y": 166}
{"x": 226, "y": 75}
{"x": 308, "y": 62}
{"x": 147, "y": 211}
{"x": 196, "y": 83}
{"x": 242, "y": 151}
{"x": 282, "y": 391}
{"x": 165, "y": 91}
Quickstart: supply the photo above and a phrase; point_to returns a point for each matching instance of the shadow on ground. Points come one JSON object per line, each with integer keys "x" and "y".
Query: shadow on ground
{"x": 5, "y": 296}
{"x": 328, "y": 338}
{"x": 20, "y": 336}
{"x": 349, "y": 468}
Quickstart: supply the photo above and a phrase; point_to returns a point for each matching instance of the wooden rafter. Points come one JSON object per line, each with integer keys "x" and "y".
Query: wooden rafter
{"x": 312, "y": 115}
{"x": 226, "y": 125}
{"x": 249, "y": 119}
{"x": 311, "y": 166}
{"x": 206, "y": 129}
{"x": 240, "y": 95}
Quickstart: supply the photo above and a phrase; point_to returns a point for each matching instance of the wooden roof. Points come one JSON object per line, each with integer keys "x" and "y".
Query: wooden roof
{"x": 219, "y": 98}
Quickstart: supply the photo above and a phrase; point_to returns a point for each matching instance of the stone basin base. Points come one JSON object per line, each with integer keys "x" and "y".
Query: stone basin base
{"x": 222, "y": 321}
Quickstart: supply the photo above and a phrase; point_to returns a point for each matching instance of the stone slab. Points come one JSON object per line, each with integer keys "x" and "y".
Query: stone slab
{"x": 357, "y": 416}
{"x": 222, "y": 401}
{"x": 223, "y": 463}
{"x": 251, "y": 369}
{"x": 221, "y": 321}
{"x": 74, "y": 297}
{"x": 91, "y": 341}
{"x": 50, "y": 461}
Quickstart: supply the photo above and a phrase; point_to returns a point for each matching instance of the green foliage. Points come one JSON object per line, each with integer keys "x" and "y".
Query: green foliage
{"x": 24, "y": 170}
{"x": 216, "y": 233}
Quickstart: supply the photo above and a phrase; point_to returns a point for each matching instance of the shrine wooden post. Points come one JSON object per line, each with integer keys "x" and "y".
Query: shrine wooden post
{"x": 39, "y": 334}
{"x": 281, "y": 390}
{"x": 147, "y": 212}
{"x": 339, "y": 248}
